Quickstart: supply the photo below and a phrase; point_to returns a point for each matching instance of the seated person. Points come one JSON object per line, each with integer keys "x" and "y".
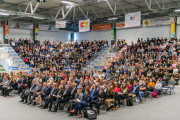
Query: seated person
{"x": 129, "y": 86}
{"x": 101, "y": 98}
{"x": 51, "y": 96}
{"x": 134, "y": 90}
{"x": 124, "y": 93}
{"x": 93, "y": 93}
{"x": 43, "y": 94}
{"x": 85, "y": 103}
{"x": 110, "y": 97}
{"x": 2, "y": 82}
{"x": 22, "y": 84}
{"x": 142, "y": 89}
{"x": 151, "y": 85}
{"x": 8, "y": 87}
{"x": 64, "y": 98}
{"x": 117, "y": 88}
{"x": 73, "y": 91}
{"x": 59, "y": 94}
{"x": 37, "y": 89}
{"x": 27, "y": 91}
{"x": 158, "y": 86}
{"x": 78, "y": 98}
{"x": 38, "y": 92}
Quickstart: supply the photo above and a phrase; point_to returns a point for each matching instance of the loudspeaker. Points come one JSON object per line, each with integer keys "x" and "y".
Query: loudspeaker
{"x": 41, "y": 0}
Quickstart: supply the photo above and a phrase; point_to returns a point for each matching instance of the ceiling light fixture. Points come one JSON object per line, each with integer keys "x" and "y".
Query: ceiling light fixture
{"x": 41, "y": 18}
{"x": 67, "y": 2}
{"x": 177, "y": 10}
{"x": 67, "y": 7}
{"x": 4, "y": 14}
{"x": 113, "y": 18}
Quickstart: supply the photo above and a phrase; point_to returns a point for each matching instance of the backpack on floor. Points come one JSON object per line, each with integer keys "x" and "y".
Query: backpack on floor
{"x": 154, "y": 94}
{"x": 89, "y": 113}
{"x": 129, "y": 102}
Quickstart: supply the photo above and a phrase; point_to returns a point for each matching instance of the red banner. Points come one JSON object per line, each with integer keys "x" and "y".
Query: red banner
{"x": 6, "y": 31}
{"x": 120, "y": 25}
{"x": 101, "y": 27}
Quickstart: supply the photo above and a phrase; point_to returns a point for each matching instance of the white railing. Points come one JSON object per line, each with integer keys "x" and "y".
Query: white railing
{"x": 5, "y": 65}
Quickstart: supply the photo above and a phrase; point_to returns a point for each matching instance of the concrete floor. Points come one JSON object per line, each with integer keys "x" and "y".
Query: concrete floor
{"x": 163, "y": 108}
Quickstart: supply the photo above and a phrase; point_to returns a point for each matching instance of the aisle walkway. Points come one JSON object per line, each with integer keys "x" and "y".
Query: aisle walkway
{"x": 164, "y": 108}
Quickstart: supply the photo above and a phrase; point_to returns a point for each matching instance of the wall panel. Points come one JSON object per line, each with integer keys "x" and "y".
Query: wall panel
{"x": 1, "y": 34}
{"x": 20, "y": 33}
{"x": 93, "y": 35}
{"x": 61, "y": 35}
{"x": 132, "y": 34}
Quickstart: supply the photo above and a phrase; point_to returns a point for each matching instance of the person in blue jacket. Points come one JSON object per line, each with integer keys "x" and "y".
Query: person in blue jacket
{"x": 85, "y": 103}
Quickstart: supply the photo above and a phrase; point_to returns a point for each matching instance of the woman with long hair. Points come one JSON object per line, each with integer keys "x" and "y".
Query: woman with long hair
{"x": 44, "y": 94}
{"x": 84, "y": 103}
{"x": 110, "y": 97}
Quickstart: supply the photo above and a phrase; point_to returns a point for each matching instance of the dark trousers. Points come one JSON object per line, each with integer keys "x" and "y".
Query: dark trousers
{"x": 3, "y": 91}
{"x": 80, "y": 105}
{"x": 34, "y": 96}
{"x": 29, "y": 96}
{"x": 97, "y": 104}
{"x": 50, "y": 102}
{"x": 24, "y": 95}
{"x": 6, "y": 91}
{"x": 58, "y": 101}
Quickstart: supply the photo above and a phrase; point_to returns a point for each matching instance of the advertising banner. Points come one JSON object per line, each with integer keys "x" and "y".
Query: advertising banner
{"x": 101, "y": 27}
{"x": 178, "y": 20}
{"x": 120, "y": 25}
{"x": 156, "y": 22}
{"x": 36, "y": 33}
{"x": 172, "y": 27}
{"x": 6, "y": 32}
{"x": 112, "y": 33}
{"x": 84, "y": 25}
{"x": 60, "y": 24}
{"x": 133, "y": 19}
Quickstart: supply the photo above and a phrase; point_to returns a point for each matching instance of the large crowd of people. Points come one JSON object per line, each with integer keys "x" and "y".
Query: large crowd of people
{"x": 56, "y": 56}
{"x": 144, "y": 67}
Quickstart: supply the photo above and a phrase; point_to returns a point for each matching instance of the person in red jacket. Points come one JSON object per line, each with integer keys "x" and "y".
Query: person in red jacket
{"x": 117, "y": 88}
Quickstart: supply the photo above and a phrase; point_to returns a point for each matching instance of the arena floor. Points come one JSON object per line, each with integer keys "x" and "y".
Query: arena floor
{"x": 164, "y": 108}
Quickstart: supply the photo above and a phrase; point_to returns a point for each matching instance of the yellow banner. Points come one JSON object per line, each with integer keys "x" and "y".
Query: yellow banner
{"x": 172, "y": 29}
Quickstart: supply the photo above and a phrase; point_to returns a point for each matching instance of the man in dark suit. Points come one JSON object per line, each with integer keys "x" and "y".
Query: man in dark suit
{"x": 64, "y": 98}
{"x": 134, "y": 90}
{"x": 8, "y": 88}
{"x": 105, "y": 88}
{"x": 70, "y": 85}
{"x": 60, "y": 93}
{"x": 73, "y": 91}
{"x": 26, "y": 92}
{"x": 52, "y": 95}
{"x": 97, "y": 87}
{"x": 37, "y": 93}
{"x": 37, "y": 89}
{"x": 21, "y": 84}
{"x": 93, "y": 92}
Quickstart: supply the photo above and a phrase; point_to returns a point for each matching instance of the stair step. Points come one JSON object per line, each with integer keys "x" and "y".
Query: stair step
{"x": 2, "y": 70}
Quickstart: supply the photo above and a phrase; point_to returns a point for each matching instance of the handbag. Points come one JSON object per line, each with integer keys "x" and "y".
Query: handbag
{"x": 89, "y": 113}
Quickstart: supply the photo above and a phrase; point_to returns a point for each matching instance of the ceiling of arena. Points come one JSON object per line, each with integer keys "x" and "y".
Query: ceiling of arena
{"x": 74, "y": 10}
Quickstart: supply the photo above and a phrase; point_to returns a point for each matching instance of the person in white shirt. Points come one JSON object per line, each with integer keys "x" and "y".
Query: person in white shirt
{"x": 95, "y": 74}
{"x": 158, "y": 86}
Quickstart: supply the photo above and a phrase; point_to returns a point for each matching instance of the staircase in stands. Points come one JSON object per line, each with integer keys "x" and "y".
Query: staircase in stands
{"x": 11, "y": 61}
{"x": 104, "y": 60}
